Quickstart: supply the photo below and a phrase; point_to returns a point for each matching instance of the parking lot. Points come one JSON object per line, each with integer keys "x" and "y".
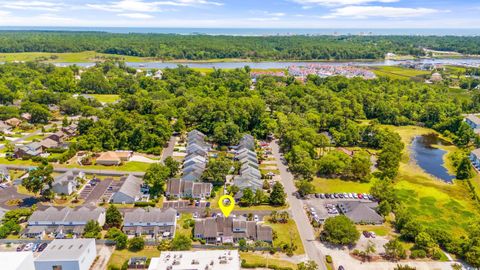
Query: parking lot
{"x": 320, "y": 207}
{"x": 96, "y": 190}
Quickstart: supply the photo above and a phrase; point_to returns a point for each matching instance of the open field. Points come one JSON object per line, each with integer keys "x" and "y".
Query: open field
{"x": 287, "y": 233}
{"x": 254, "y": 258}
{"x": 106, "y": 98}
{"x": 433, "y": 202}
{"x": 400, "y": 73}
{"x": 120, "y": 256}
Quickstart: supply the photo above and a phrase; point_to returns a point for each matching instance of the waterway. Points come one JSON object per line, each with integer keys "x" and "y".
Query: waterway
{"x": 429, "y": 157}
{"x": 472, "y": 62}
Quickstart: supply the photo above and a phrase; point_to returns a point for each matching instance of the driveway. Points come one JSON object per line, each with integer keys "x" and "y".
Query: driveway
{"x": 168, "y": 151}
{"x": 10, "y": 193}
{"x": 298, "y": 214}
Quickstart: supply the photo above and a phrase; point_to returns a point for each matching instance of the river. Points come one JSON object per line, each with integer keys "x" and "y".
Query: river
{"x": 429, "y": 157}
{"x": 474, "y": 62}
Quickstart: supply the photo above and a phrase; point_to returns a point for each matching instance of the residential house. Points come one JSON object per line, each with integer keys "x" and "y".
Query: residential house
{"x": 32, "y": 149}
{"x": 70, "y": 130}
{"x": 197, "y": 260}
{"x": 180, "y": 188}
{"x": 475, "y": 158}
{"x": 200, "y": 167}
{"x": 436, "y": 77}
{"x": 222, "y": 230}
{"x": 67, "y": 254}
{"x": 474, "y": 122}
{"x": 48, "y": 143}
{"x": 152, "y": 222}
{"x": 243, "y": 182}
{"x": 13, "y": 122}
{"x": 4, "y": 127}
{"x": 158, "y": 75}
{"x": 193, "y": 176}
{"x": 247, "y": 142}
{"x": 67, "y": 183}
{"x": 62, "y": 221}
{"x": 130, "y": 191}
{"x": 361, "y": 212}
{"x": 26, "y": 116}
{"x": 113, "y": 158}
{"x": 58, "y": 136}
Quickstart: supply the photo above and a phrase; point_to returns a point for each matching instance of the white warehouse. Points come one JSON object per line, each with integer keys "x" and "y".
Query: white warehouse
{"x": 16, "y": 260}
{"x": 67, "y": 254}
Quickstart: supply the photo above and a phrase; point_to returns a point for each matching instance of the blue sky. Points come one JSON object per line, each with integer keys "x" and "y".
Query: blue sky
{"x": 244, "y": 13}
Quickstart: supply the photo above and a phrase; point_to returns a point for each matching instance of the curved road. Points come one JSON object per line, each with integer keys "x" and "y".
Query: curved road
{"x": 305, "y": 229}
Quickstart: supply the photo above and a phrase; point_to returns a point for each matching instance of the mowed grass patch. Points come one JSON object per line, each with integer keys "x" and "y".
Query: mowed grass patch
{"x": 399, "y": 73}
{"x": 119, "y": 257}
{"x": 106, "y": 98}
{"x": 286, "y": 233}
{"x": 323, "y": 185}
{"x": 266, "y": 258}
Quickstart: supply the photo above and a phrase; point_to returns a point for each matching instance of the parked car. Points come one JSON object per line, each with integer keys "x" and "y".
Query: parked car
{"x": 195, "y": 215}
{"x": 207, "y": 204}
{"x": 35, "y": 246}
{"x": 373, "y": 235}
{"x": 42, "y": 247}
{"x": 20, "y": 248}
{"x": 341, "y": 196}
{"x": 341, "y": 268}
{"x": 255, "y": 218}
{"x": 317, "y": 195}
{"x": 28, "y": 247}
{"x": 366, "y": 234}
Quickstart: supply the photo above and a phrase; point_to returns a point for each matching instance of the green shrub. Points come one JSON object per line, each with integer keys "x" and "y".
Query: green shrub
{"x": 418, "y": 253}
{"x": 328, "y": 258}
{"x": 144, "y": 204}
{"x": 263, "y": 265}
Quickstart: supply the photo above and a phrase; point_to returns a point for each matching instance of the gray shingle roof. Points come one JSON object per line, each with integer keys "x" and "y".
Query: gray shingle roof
{"x": 360, "y": 212}
{"x": 151, "y": 215}
{"x": 131, "y": 186}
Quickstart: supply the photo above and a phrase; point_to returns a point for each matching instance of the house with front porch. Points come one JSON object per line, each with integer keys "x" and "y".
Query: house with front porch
{"x": 151, "y": 222}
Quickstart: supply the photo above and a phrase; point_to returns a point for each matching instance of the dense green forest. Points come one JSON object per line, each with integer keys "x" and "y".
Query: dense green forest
{"x": 203, "y": 47}
{"x": 307, "y": 117}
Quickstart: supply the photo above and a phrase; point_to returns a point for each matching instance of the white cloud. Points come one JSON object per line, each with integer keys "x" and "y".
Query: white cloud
{"x": 136, "y": 15}
{"x": 4, "y": 13}
{"x": 145, "y": 6}
{"x": 309, "y": 3}
{"x": 32, "y": 5}
{"x": 362, "y": 12}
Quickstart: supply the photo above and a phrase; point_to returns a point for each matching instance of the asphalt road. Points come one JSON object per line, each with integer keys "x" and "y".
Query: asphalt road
{"x": 87, "y": 171}
{"x": 305, "y": 229}
{"x": 168, "y": 152}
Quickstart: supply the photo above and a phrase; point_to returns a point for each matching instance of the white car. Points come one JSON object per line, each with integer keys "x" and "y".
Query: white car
{"x": 28, "y": 247}
{"x": 195, "y": 215}
{"x": 255, "y": 218}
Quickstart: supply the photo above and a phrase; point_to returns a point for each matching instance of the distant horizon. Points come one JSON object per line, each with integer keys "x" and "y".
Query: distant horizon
{"x": 255, "y": 31}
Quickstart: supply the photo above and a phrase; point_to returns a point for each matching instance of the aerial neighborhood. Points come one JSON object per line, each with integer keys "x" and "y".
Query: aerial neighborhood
{"x": 130, "y": 162}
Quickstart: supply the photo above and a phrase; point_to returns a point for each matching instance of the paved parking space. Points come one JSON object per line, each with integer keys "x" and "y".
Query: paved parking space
{"x": 111, "y": 189}
{"x": 10, "y": 193}
{"x": 91, "y": 194}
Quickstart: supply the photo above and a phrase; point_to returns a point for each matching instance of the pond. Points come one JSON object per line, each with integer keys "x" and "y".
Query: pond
{"x": 430, "y": 158}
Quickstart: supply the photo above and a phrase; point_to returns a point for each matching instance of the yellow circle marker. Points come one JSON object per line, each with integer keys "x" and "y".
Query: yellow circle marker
{"x": 226, "y": 203}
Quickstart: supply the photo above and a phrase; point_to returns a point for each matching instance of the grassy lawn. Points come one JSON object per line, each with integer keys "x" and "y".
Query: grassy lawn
{"x": 433, "y": 202}
{"x": 87, "y": 56}
{"x": 120, "y": 256}
{"x": 286, "y": 233}
{"x": 18, "y": 162}
{"x": 399, "y": 73}
{"x": 380, "y": 230}
{"x": 323, "y": 185}
{"x": 106, "y": 98}
{"x": 255, "y": 258}
{"x": 22, "y": 190}
{"x": 180, "y": 222}
{"x": 131, "y": 166}
{"x": 15, "y": 174}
